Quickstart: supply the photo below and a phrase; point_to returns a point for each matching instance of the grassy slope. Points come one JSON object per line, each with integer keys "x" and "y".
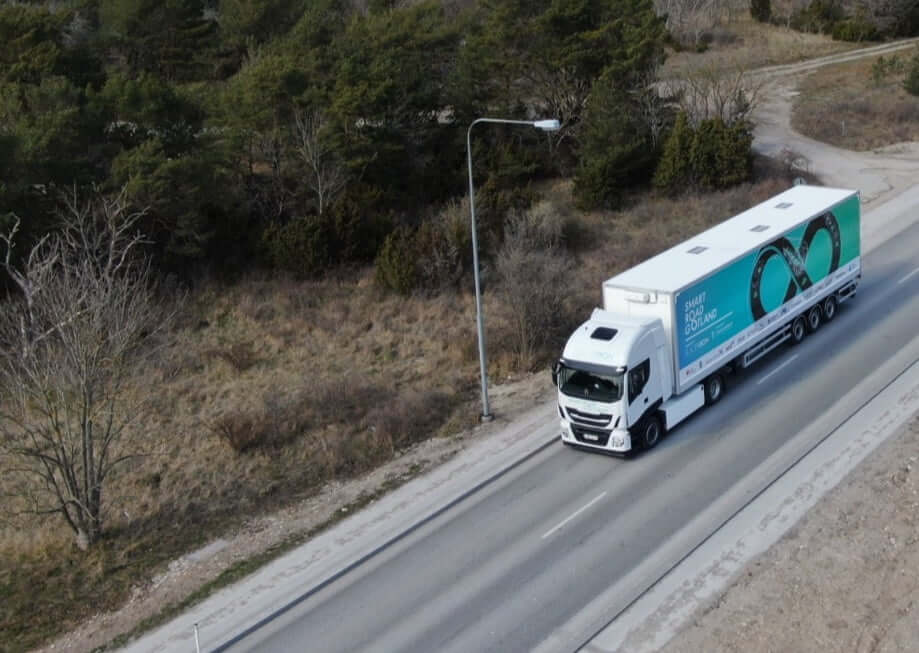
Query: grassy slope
{"x": 848, "y": 106}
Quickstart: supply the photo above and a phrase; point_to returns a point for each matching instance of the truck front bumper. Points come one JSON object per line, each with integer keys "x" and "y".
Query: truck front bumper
{"x": 615, "y": 441}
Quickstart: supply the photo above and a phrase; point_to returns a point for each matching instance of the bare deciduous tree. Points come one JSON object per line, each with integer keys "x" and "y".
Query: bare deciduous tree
{"x": 560, "y": 92}
{"x": 274, "y": 199}
{"x": 687, "y": 20}
{"x": 652, "y": 106}
{"x": 80, "y": 314}
{"x": 708, "y": 93}
{"x": 328, "y": 176}
{"x": 531, "y": 271}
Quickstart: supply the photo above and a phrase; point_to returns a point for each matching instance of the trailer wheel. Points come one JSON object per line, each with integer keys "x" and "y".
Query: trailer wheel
{"x": 798, "y": 330}
{"x": 651, "y": 432}
{"x": 829, "y": 308}
{"x": 714, "y": 388}
{"x": 813, "y": 319}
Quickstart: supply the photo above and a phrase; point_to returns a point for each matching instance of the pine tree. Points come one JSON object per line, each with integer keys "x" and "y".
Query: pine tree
{"x": 172, "y": 39}
{"x": 674, "y": 170}
{"x": 616, "y": 150}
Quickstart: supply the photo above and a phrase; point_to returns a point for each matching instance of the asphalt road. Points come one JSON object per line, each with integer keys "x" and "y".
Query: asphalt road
{"x": 504, "y": 569}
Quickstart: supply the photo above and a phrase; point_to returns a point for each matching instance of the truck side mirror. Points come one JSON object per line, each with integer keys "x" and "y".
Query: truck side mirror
{"x": 555, "y": 368}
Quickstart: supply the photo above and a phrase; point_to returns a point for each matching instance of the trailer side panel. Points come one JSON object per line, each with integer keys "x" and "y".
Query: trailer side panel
{"x": 720, "y": 316}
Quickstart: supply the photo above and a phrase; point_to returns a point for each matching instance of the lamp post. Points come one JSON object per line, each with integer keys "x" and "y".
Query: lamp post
{"x": 547, "y": 126}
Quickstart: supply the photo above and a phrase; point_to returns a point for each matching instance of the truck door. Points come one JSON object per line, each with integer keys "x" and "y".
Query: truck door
{"x": 637, "y": 389}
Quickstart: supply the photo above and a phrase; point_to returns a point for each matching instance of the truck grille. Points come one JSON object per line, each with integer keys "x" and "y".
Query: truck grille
{"x": 588, "y": 419}
{"x": 596, "y": 437}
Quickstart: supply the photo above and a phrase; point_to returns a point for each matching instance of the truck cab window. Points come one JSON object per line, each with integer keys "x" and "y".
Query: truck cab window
{"x": 638, "y": 378}
{"x": 590, "y": 385}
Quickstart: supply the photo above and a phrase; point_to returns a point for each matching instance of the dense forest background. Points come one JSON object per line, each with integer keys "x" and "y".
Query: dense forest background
{"x": 306, "y": 135}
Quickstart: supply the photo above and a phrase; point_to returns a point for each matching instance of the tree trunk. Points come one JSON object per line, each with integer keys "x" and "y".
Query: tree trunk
{"x": 83, "y": 540}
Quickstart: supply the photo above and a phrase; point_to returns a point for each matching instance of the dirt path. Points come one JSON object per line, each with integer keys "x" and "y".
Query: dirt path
{"x": 779, "y": 598}
{"x": 881, "y": 175}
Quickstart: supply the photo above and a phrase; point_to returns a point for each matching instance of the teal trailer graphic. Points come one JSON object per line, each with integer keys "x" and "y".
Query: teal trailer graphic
{"x": 719, "y": 312}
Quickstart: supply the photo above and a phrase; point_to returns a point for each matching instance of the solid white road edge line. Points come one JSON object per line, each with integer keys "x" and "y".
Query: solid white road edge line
{"x": 768, "y": 374}
{"x": 909, "y": 276}
{"x": 575, "y": 514}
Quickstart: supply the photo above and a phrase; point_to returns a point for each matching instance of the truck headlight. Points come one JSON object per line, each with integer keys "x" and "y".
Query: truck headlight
{"x": 617, "y": 441}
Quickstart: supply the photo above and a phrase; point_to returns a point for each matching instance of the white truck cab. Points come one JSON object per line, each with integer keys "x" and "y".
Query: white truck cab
{"x": 613, "y": 377}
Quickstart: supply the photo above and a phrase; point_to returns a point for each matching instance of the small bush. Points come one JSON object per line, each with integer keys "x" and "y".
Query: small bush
{"x": 444, "y": 246}
{"x": 818, "y": 17}
{"x": 242, "y": 431}
{"x": 275, "y": 423}
{"x": 301, "y": 247}
{"x": 542, "y": 226}
{"x": 721, "y": 35}
{"x": 278, "y": 419}
{"x": 408, "y": 418}
{"x": 674, "y": 172}
{"x": 531, "y": 274}
{"x": 712, "y": 156}
{"x": 239, "y": 356}
{"x": 911, "y": 83}
{"x": 761, "y": 10}
{"x": 396, "y": 262}
{"x": 880, "y": 69}
{"x": 904, "y": 113}
{"x": 357, "y": 228}
{"x": 855, "y": 30}
{"x": 437, "y": 254}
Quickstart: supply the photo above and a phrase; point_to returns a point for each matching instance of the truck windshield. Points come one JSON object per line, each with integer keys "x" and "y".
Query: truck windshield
{"x": 590, "y": 385}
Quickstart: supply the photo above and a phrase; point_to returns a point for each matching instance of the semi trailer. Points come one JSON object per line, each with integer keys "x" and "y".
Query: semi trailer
{"x": 674, "y": 327}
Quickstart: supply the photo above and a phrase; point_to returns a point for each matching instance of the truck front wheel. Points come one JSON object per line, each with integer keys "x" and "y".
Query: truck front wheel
{"x": 651, "y": 432}
{"x": 798, "y": 330}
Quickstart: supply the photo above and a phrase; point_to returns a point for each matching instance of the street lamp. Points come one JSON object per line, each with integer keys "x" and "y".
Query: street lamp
{"x": 546, "y": 126}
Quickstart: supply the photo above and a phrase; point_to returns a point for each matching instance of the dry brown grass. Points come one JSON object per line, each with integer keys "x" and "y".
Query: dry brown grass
{"x": 846, "y": 106}
{"x": 744, "y": 44}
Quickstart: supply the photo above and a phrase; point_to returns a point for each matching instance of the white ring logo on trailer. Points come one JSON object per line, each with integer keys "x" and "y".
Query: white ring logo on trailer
{"x": 795, "y": 259}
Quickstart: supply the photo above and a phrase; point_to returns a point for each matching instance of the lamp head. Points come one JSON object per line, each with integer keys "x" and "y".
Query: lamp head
{"x": 548, "y": 125}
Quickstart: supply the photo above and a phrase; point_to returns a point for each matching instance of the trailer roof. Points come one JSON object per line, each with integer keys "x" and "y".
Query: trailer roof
{"x": 711, "y": 250}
